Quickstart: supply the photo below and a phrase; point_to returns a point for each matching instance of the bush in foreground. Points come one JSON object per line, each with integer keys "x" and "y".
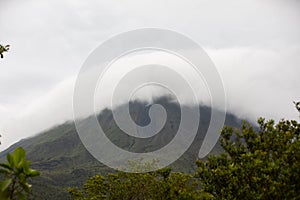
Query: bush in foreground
{"x": 255, "y": 165}
{"x": 13, "y": 183}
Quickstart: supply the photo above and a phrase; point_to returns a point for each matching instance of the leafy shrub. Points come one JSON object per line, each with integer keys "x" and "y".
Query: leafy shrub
{"x": 16, "y": 171}
{"x": 255, "y": 165}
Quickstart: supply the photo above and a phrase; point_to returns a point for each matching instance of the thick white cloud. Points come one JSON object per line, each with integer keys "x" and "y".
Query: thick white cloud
{"x": 254, "y": 44}
{"x": 260, "y": 82}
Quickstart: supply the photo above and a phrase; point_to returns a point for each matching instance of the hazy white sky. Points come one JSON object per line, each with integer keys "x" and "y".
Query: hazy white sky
{"x": 254, "y": 44}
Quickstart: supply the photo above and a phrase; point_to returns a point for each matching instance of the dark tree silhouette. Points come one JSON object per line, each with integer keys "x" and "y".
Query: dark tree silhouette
{"x": 3, "y": 49}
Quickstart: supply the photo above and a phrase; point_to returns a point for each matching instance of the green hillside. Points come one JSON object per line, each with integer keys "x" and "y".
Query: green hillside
{"x": 64, "y": 162}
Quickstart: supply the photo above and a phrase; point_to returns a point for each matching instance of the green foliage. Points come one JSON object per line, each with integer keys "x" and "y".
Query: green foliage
{"x": 16, "y": 171}
{"x": 255, "y": 165}
{"x": 161, "y": 184}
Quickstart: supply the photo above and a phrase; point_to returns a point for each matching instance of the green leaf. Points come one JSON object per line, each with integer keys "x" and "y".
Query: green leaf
{"x": 33, "y": 173}
{"x": 4, "y": 171}
{"x": 19, "y": 155}
{"x": 6, "y": 166}
{"x": 5, "y": 184}
{"x": 10, "y": 160}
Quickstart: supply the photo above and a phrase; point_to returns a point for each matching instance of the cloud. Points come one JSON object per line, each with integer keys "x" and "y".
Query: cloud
{"x": 257, "y": 83}
{"x": 42, "y": 113}
{"x": 254, "y": 44}
{"x": 260, "y": 82}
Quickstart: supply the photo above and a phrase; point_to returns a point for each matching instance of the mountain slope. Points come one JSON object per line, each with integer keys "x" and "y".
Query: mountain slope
{"x": 64, "y": 162}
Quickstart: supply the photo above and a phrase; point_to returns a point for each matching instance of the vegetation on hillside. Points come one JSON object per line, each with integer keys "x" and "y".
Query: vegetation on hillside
{"x": 64, "y": 162}
{"x": 261, "y": 164}
{"x": 257, "y": 163}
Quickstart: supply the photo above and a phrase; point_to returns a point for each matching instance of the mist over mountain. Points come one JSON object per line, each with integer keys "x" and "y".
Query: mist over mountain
{"x": 64, "y": 162}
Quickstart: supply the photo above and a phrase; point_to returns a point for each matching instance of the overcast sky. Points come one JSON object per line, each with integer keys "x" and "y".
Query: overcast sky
{"x": 255, "y": 45}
